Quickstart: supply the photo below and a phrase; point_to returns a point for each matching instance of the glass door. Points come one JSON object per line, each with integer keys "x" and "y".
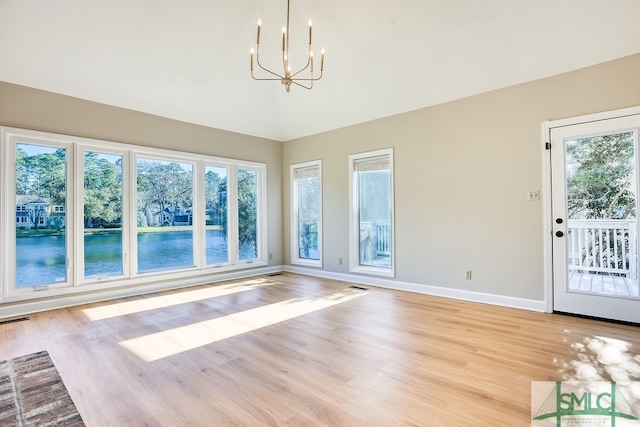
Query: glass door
{"x": 595, "y": 223}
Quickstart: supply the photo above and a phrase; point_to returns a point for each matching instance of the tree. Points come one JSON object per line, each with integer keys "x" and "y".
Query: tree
{"x": 35, "y": 215}
{"x": 42, "y": 175}
{"x": 216, "y": 198}
{"x": 247, "y": 207}
{"x": 167, "y": 185}
{"x": 57, "y": 223}
{"x": 600, "y": 185}
{"x": 102, "y": 189}
{"x": 600, "y": 174}
{"x": 22, "y": 170}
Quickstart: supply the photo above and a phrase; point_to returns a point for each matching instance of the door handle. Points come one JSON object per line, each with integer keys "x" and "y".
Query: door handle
{"x": 559, "y": 233}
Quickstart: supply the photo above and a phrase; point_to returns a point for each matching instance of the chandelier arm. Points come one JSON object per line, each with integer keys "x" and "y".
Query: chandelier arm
{"x": 265, "y": 69}
{"x": 312, "y": 79}
{"x": 265, "y": 78}
{"x": 270, "y": 72}
{"x": 306, "y": 66}
{"x": 301, "y": 85}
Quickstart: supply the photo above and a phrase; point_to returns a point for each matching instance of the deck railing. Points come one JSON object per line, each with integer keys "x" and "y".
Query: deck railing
{"x": 603, "y": 246}
{"x": 375, "y": 240}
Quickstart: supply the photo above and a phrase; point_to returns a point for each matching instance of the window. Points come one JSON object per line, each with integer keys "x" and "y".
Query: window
{"x": 306, "y": 214}
{"x": 247, "y": 214}
{"x": 216, "y": 217}
{"x": 103, "y": 221}
{"x": 164, "y": 216}
{"x": 99, "y": 214}
{"x": 371, "y": 222}
{"x": 41, "y": 244}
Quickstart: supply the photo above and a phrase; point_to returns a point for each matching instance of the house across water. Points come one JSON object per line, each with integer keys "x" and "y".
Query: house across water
{"x": 36, "y": 212}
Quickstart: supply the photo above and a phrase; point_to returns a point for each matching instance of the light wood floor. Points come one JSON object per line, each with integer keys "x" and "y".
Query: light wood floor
{"x": 292, "y": 350}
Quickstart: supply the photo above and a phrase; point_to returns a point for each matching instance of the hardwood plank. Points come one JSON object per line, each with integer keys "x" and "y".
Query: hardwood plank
{"x": 382, "y": 358}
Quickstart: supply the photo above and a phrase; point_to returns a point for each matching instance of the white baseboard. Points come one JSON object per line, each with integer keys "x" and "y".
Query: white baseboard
{"x": 501, "y": 300}
{"x": 26, "y": 307}
{"x": 22, "y": 308}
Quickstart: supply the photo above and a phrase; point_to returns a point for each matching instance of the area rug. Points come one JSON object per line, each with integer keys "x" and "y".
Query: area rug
{"x": 33, "y": 394}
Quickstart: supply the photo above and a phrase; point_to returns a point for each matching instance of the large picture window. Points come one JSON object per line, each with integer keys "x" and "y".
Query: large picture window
{"x": 82, "y": 212}
{"x": 371, "y": 224}
{"x": 164, "y": 215}
{"x": 306, "y": 214}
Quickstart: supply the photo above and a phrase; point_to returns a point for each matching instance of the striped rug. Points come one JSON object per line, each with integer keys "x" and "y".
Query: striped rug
{"x": 33, "y": 394}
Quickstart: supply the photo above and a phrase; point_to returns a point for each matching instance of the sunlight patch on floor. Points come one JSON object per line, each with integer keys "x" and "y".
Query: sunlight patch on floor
{"x": 154, "y": 303}
{"x": 173, "y": 341}
{"x": 599, "y": 358}
{"x": 603, "y": 359}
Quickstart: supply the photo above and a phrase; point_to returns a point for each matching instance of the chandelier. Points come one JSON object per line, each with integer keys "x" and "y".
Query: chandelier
{"x": 288, "y": 77}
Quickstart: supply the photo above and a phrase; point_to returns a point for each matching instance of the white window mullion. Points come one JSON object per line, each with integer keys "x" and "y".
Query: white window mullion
{"x": 7, "y": 212}
{"x": 131, "y": 194}
{"x": 198, "y": 217}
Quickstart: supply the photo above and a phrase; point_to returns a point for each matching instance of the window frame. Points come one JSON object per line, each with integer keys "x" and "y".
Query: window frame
{"x": 167, "y": 158}
{"x": 203, "y": 234}
{"x": 11, "y": 140}
{"x": 81, "y": 149}
{"x": 354, "y": 216}
{"x": 261, "y": 214}
{"x": 295, "y": 208}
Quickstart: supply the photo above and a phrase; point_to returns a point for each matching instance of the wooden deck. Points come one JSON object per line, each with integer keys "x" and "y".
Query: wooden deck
{"x": 603, "y": 284}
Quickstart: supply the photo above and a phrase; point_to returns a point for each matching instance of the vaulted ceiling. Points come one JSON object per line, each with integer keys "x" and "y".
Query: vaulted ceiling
{"x": 189, "y": 60}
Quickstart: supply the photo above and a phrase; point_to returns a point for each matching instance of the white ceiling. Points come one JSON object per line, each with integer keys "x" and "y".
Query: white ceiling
{"x": 189, "y": 60}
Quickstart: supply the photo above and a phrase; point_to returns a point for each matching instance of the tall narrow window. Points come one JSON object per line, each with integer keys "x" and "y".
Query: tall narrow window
{"x": 371, "y": 196}
{"x": 306, "y": 214}
{"x": 103, "y": 250}
{"x": 247, "y": 214}
{"x": 216, "y": 242}
{"x": 164, "y": 218}
{"x": 41, "y": 222}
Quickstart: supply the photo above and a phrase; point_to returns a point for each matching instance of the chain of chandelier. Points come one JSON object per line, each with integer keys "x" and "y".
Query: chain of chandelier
{"x": 302, "y": 77}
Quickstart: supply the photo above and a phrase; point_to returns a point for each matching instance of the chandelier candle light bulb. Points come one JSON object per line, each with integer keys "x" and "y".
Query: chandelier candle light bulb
{"x": 288, "y": 77}
{"x": 259, "y": 25}
{"x": 284, "y": 38}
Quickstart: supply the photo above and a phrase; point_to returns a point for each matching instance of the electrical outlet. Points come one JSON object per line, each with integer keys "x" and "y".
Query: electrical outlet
{"x": 467, "y": 275}
{"x": 339, "y": 261}
{"x": 270, "y": 256}
{"x": 533, "y": 195}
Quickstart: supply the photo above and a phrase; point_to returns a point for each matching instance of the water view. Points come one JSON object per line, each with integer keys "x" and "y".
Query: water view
{"x": 41, "y": 259}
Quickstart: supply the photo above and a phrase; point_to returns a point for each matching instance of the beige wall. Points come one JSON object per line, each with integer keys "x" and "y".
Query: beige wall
{"x": 44, "y": 111}
{"x": 462, "y": 170}
{"x": 462, "y": 173}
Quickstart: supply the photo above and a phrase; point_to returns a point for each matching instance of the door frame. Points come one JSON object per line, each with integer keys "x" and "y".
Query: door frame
{"x": 547, "y": 216}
